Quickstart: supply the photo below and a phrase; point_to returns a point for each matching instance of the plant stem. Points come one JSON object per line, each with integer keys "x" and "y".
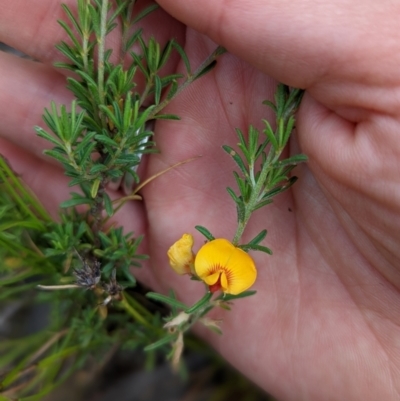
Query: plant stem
{"x": 101, "y": 50}
{"x": 259, "y": 188}
{"x": 134, "y": 313}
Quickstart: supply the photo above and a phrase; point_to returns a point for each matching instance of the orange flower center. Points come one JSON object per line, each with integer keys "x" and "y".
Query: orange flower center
{"x": 218, "y": 278}
{"x": 217, "y": 286}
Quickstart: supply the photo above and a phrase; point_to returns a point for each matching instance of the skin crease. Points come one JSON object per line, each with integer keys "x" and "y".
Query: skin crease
{"x": 324, "y": 324}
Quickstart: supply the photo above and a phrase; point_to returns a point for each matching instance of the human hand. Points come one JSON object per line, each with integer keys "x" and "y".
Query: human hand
{"x": 323, "y": 324}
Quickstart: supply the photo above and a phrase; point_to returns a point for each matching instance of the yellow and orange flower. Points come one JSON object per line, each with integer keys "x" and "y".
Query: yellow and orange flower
{"x": 221, "y": 265}
{"x": 181, "y": 256}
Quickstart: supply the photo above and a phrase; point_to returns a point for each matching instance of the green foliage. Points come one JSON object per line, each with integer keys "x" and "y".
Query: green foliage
{"x": 107, "y": 137}
{"x": 263, "y": 174}
{"x": 35, "y": 250}
{"x": 81, "y": 263}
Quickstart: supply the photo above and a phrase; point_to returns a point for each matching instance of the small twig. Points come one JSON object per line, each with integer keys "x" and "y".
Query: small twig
{"x": 134, "y": 196}
{"x": 58, "y": 287}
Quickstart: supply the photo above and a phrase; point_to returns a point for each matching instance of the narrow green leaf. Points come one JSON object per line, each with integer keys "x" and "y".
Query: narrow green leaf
{"x": 166, "y": 117}
{"x": 261, "y": 204}
{"x": 75, "y": 202}
{"x": 43, "y": 134}
{"x": 70, "y": 34}
{"x": 157, "y": 89}
{"x": 85, "y": 141}
{"x": 127, "y": 159}
{"x": 200, "y": 304}
{"x": 173, "y": 90}
{"x": 169, "y": 79}
{"x": 129, "y": 276}
{"x": 293, "y": 160}
{"x": 260, "y": 248}
{"x": 163, "y": 341}
{"x": 95, "y": 17}
{"x": 87, "y": 78}
{"x": 258, "y": 238}
{"x": 95, "y": 187}
{"x": 145, "y": 13}
{"x": 118, "y": 11}
{"x": 110, "y": 28}
{"x": 184, "y": 57}
{"x": 165, "y": 54}
{"x": 71, "y": 18}
{"x": 206, "y": 70}
{"x": 280, "y": 99}
{"x": 238, "y": 160}
{"x": 106, "y": 140}
{"x": 244, "y": 186}
{"x": 269, "y": 133}
{"x": 56, "y": 155}
{"x": 288, "y": 129}
{"x": 138, "y": 61}
{"x": 69, "y": 53}
{"x": 171, "y": 301}
{"x": 111, "y": 116}
{"x": 78, "y": 89}
{"x": 126, "y": 118}
{"x": 76, "y": 181}
{"x": 108, "y": 205}
{"x": 97, "y": 168}
{"x": 132, "y": 39}
{"x": 233, "y": 195}
{"x": 270, "y": 105}
{"x": 66, "y": 66}
{"x": 205, "y": 232}
{"x": 85, "y": 153}
{"x": 240, "y": 210}
{"x": 230, "y": 297}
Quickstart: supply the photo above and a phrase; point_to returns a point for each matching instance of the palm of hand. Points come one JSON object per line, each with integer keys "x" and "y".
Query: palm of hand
{"x": 325, "y": 299}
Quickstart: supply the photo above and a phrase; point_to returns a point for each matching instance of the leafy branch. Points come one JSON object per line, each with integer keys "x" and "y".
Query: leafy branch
{"x": 263, "y": 174}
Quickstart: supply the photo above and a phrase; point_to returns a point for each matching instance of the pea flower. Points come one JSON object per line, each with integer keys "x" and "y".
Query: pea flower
{"x": 181, "y": 256}
{"x": 223, "y": 266}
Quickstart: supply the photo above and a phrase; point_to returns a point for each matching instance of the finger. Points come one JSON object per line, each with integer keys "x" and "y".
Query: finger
{"x": 32, "y": 27}
{"x": 329, "y": 43}
{"x": 27, "y": 87}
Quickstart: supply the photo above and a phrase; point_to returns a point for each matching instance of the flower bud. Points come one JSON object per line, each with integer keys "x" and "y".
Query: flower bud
{"x": 181, "y": 256}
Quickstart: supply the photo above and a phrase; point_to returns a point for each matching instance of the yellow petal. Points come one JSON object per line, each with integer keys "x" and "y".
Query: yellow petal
{"x": 224, "y": 282}
{"x": 180, "y": 254}
{"x": 234, "y": 268}
{"x": 212, "y": 278}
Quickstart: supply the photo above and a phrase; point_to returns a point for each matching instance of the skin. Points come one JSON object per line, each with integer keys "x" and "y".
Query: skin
{"x": 324, "y": 324}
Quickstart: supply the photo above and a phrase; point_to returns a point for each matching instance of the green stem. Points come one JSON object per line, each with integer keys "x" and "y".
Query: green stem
{"x": 85, "y": 39}
{"x": 135, "y": 314}
{"x": 101, "y": 50}
{"x": 146, "y": 90}
{"x": 201, "y": 304}
{"x": 258, "y": 189}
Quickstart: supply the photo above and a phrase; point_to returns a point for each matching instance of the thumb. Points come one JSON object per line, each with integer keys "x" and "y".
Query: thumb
{"x": 304, "y": 42}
